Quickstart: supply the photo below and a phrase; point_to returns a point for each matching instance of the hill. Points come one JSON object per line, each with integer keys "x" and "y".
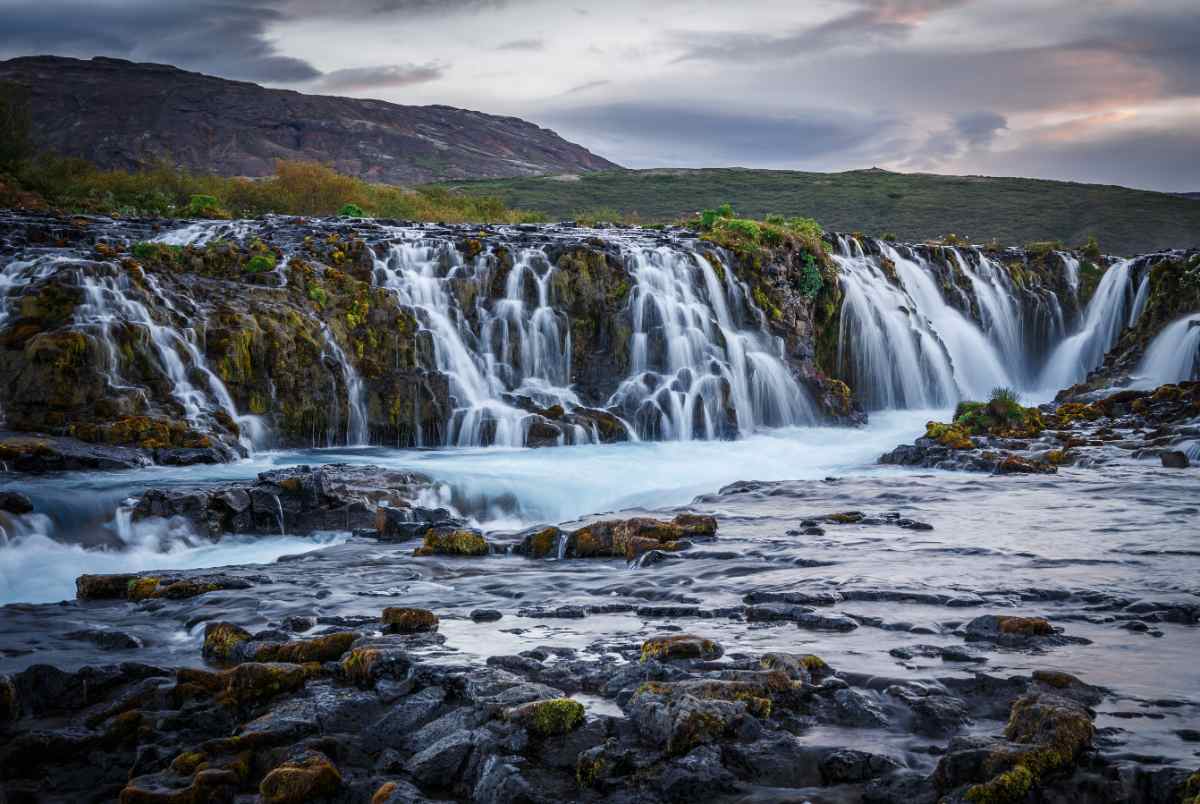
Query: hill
{"x": 913, "y": 206}
{"x": 119, "y": 114}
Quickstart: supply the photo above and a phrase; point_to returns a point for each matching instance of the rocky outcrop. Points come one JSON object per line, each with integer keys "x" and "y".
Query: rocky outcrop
{"x": 119, "y": 114}
{"x": 1086, "y": 430}
{"x": 298, "y": 501}
{"x": 196, "y": 342}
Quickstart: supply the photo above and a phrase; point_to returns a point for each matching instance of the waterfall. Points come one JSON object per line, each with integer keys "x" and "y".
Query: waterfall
{"x": 357, "y": 432}
{"x": 519, "y": 347}
{"x": 1173, "y": 356}
{"x": 1111, "y": 308}
{"x": 698, "y": 369}
{"x": 900, "y": 341}
{"x": 1002, "y": 318}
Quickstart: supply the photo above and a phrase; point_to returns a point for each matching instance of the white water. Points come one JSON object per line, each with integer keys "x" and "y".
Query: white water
{"x": 904, "y": 345}
{"x": 357, "y": 432}
{"x": 498, "y": 488}
{"x": 1173, "y": 355}
{"x": 691, "y": 351}
{"x": 1110, "y": 309}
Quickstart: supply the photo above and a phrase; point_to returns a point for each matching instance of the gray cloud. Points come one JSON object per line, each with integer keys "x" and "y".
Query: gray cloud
{"x": 873, "y": 21}
{"x": 226, "y": 39}
{"x": 522, "y": 44}
{"x": 979, "y": 129}
{"x": 586, "y": 85}
{"x": 416, "y": 7}
{"x": 363, "y": 79}
{"x": 647, "y": 133}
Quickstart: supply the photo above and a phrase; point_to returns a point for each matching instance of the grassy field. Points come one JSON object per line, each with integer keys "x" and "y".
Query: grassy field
{"x": 911, "y": 206}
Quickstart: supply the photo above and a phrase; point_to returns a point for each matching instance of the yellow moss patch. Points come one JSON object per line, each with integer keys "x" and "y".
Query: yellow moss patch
{"x": 301, "y": 780}
{"x": 949, "y": 435}
{"x": 453, "y": 543}
{"x": 681, "y": 646}
{"x": 549, "y": 718}
{"x": 409, "y": 621}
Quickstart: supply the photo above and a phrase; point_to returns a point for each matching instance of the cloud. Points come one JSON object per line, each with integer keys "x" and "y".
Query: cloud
{"x": 648, "y": 133}
{"x": 979, "y": 129}
{"x": 872, "y": 22}
{"x": 418, "y": 7}
{"x": 392, "y": 76}
{"x": 522, "y": 44}
{"x": 585, "y": 86}
{"x": 222, "y": 38}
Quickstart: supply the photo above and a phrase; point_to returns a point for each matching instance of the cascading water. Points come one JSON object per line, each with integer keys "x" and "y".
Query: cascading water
{"x": 1111, "y": 308}
{"x": 696, "y": 368}
{"x": 901, "y": 343}
{"x": 520, "y": 345}
{"x": 1173, "y": 356}
{"x": 357, "y": 431}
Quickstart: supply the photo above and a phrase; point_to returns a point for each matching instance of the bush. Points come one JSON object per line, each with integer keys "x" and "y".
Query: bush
{"x": 260, "y": 263}
{"x": 1091, "y": 250}
{"x": 351, "y": 211}
{"x": 810, "y": 278}
{"x": 297, "y": 188}
{"x": 889, "y": 237}
{"x": 317, "y": 294}
{"x": 205, "y": 206}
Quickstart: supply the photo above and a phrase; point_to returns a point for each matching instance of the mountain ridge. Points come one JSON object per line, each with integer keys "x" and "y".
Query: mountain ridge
{"x": 124, "y": 114}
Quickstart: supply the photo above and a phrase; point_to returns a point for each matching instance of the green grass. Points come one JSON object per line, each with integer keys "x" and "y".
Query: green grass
{"x": 296, "y": 188}
{"x": 913, "y": 207}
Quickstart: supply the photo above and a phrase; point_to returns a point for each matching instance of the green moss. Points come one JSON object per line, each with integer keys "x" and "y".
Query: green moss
{"x": 455, "y": 543}
{"x": 221, "y": 641}
{"x": 260, "y": 263}
{"x": 1008, "y": 788}
{"x": 142, "y": 589}
{"x": 351, "y": 211}
{"x": 949, "y": 435}
{"x": 318, "y": 649}
{"x": 409, "y": 621}
{"x": 681, "y": 646}
{"x": 554, "y": 717}
{"x": 588, "y": 769}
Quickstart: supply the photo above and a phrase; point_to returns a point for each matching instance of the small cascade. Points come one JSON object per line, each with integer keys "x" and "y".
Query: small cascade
{"x": 698, "y": 369}
{"x": 903, "y": 344}
{"x": 1070, "y": 272}
{"x": 1173, "y": 356}
{"x": 1110, "y": 309}
{"x": 279, "y": 507}
{"x": 1001, "y": 316}
{"x": 357, "y": 431}
{"x": 491, "y": 353}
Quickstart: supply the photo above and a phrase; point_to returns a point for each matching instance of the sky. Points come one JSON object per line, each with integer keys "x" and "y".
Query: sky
{"x": 1104, "y": 91}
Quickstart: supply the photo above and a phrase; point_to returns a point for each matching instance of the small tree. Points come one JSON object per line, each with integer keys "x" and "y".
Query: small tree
{"x": 16, "y": 123}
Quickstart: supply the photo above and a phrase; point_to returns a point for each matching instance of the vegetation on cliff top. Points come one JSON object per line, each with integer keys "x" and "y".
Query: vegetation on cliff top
{"x": 1002, "y": 415}
{"x": 297, "y": 188}
{"x": 911, "y": 207}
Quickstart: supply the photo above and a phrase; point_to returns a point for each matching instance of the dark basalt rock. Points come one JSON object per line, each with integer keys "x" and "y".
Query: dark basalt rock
{"x": 297, "y": 500}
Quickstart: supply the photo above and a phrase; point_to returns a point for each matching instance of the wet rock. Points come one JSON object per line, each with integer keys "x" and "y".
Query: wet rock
{"x": 302, "y": 778}
{"x": 106, "y": 639}
{"x": 221, "y": 641}
{"x": 694, "y": 777}
{"x": 144, "y": 587}
{"x": 409, "y": 621}
{"x": 443, "y": 760}
{"x": 403, "y": 524}
{"x": 10, "y": 707}
{"x": 37, "y": 453}
{"x": 548, "y": 718}
{"x": 1174, "y": 459}
{"x": 802, "y": 617}
{"x": 485, "y": 615}
{"x": 622, "y": 538}
{"x": 681, "y": 646}
{"x": 1015, "y": 631}
{"x": 402, "y": 719}
{"x": 850, "y": 765}
{"x": 296, "y": 500}
{"x": 449, "y": 541}
{"x": 14, "y": 502}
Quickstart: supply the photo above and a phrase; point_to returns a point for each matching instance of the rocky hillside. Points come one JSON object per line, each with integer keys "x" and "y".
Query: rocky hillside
{"x": 119, "y": 114}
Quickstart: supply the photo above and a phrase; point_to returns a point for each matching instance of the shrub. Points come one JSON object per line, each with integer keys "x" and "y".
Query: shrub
{"x": 205, "y": 206}
{"x": 889, "y": 237}
{"x": 317, "y": 294}
{"x": 261, "y": 263}
{"x": 1091, "y": 250}
{"x": 810, "y": 278}
{"x": 351, "y": 211}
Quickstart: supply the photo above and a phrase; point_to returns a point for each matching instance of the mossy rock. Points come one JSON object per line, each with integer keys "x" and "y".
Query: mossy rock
{"x": 301, "y": 779}
{"x": 548, "y": 718}
{"x": 949, "y": 435}
{"x": 221, "y": 641}
{"x": 681, "y": 646}
{"x": 409, "y": 621}
{"x": 255, "y": 682}
{"x": 453, "y": 542}
{"x": 328, "y": 648}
